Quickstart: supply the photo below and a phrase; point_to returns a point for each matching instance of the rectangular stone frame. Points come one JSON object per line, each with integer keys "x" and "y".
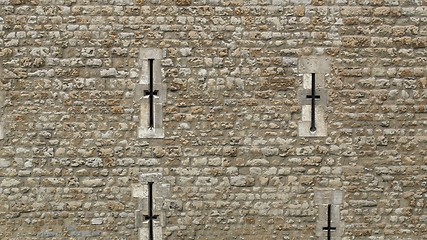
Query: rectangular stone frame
{"x": 144, "y": 130}
{"x": 321, "y": 66}
{"x": 160, "y": 191}
{"x": 323, "y": 198}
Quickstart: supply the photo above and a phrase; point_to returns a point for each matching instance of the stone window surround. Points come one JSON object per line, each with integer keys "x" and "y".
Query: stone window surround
{"x": 144, "y": 130}
{"x": 161, "y": 191}
{"x": 321, "y": 66}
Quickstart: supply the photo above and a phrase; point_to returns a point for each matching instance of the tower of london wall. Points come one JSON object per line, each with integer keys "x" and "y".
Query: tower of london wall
{"x": 234, "y": 119}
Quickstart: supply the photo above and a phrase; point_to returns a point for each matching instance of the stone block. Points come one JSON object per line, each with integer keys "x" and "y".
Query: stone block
{"x": 9, "y": 182}
{"x": 151, "y": 177}
{"x": 305, "y": 124}
{"x": 144, "y": 232}
{"x": 111, "y": 72}
{"x": 150, "y": 53}
{"x": 315, "y": 64}
{"x": 140, "y": 191}
{"x": 355, "y": 41}
{"x": 328, "y": 197}
{"x": 242, "y": 181}
{"x": 97, "y": 182}
{"x": 97, "y": 221}
{"x": 4, "y": 163}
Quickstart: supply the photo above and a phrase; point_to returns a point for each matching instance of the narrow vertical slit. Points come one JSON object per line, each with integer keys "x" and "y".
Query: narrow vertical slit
{"x": 150, "y": 211}
{"x": 151, "y": 97}
{"x": 329, "y": 228}
{"x": 313, "y": 102}
{"x": 329, "y": 221}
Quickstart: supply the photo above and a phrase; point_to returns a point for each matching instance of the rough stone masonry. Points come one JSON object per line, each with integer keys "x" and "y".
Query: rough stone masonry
{"x": 232, "y": 158}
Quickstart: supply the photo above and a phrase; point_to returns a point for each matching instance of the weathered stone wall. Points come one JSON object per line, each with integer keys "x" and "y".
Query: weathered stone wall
{"x": 237, "y": 168}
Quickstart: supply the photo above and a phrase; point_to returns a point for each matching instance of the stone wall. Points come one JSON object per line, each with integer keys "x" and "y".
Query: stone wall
{"x": 70, "y": 155}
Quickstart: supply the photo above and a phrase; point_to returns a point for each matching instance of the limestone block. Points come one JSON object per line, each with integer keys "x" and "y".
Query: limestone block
{"x": 328, "y": 197}
{"x": 4, "y": 163}
{"x": 144, "y": 232}
{"x": 140, "y": 191}
{"x": 97, "y": 182}
{"x": 9, "y": 182}
{"x": 305, "y": 124}
{"x": 150, "y": 53}
{"x": 315, "y": 64}
{"x": 242, "y": 181}
{"x": 111, "y": 72}
{"x": 151, "y": 177}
